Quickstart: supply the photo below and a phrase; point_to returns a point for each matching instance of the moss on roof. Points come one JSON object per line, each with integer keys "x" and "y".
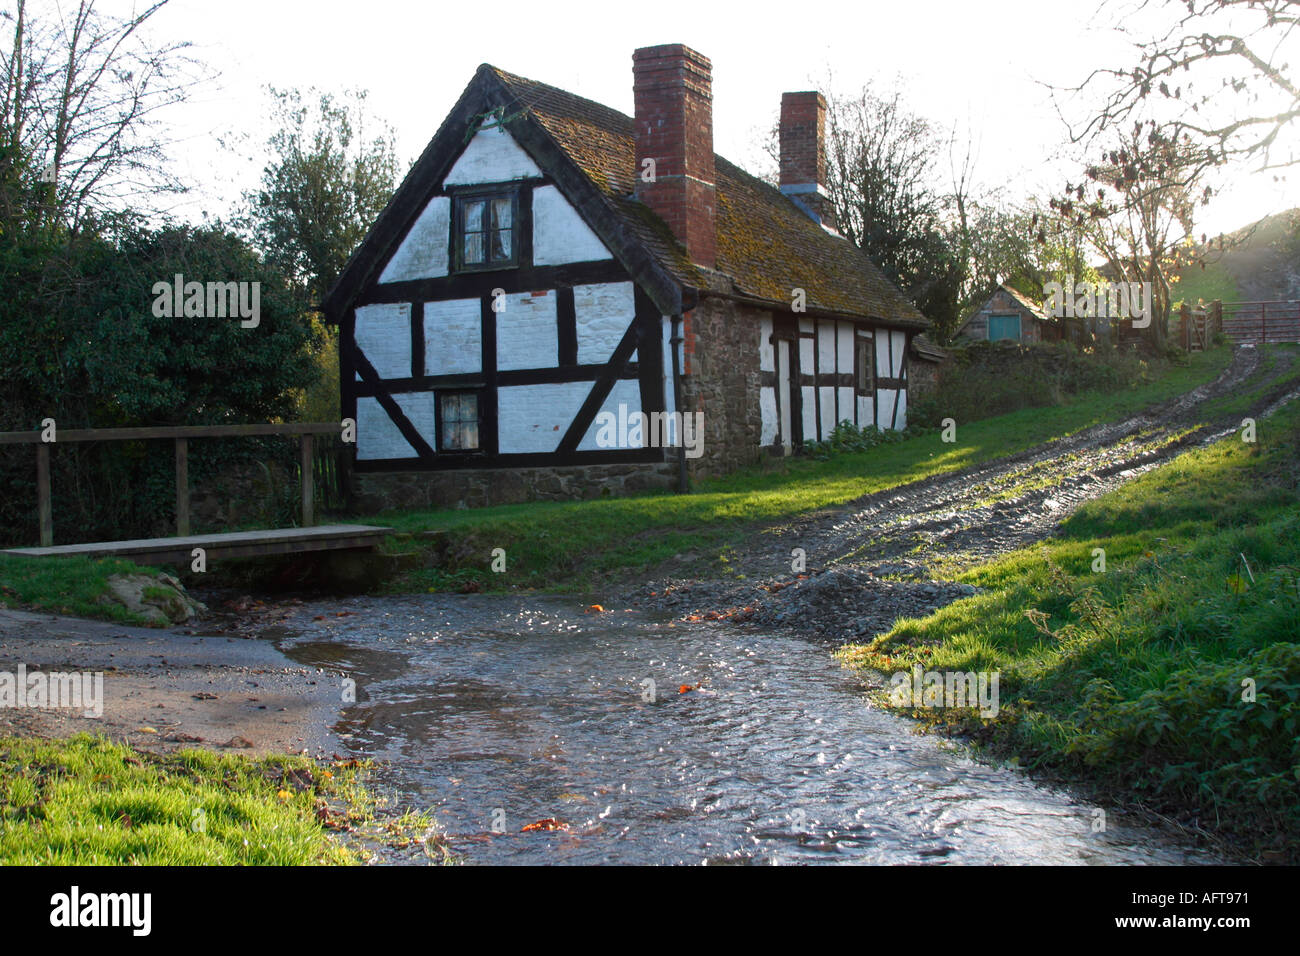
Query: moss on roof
{"x": 766, "y": 245}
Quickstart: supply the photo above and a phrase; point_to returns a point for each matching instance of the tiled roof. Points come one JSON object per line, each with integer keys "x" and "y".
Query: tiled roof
{"x": 766, "y": 245}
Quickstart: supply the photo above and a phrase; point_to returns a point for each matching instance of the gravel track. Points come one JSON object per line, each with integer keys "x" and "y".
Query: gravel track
{"x": 871, "y": 560}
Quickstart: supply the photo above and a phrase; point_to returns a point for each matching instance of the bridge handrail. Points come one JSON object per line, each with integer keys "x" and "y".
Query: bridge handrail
{"x": 180, "y": 434}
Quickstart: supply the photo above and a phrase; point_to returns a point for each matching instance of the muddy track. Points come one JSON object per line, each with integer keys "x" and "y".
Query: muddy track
{"x": 857, "y": 553}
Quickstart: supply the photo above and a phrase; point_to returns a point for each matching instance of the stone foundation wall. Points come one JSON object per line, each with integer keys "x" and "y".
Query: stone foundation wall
{"x": 480, "y": 487}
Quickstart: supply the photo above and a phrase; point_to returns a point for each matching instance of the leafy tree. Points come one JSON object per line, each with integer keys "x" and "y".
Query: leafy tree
{"x": 80, "y": 343}
{"x": 327, "y": 182}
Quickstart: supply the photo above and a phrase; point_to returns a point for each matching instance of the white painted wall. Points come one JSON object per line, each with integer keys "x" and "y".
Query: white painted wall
{"x": 826, "y": 349}
{"x": 809, "y": 396}
{"x": 768, "y": 412}
{"x": 827, "y": 396}
{"x": 666, "y": 330}
{"x": 383, "y": 334}
{"x": 559, "y": 233}
{"x": 767, "y": 409}
{"x": 526, "y": 333}
{"x": 492, "y": 156}
{"x": 885, "y": 410}
{"x": 627, "y": 393}
{"x": 604, "y": 312}
{"x": 378, "y": 437}
{"x": 423, "y": 251}
{"x": 453, "y": 337}
{"x": 866, "y": 414}
{"x": 844, "y": 405}
{"x": 533, "y": 418}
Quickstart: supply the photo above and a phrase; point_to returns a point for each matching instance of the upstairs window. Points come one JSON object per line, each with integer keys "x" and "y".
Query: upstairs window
{"x": 485, "y": 231}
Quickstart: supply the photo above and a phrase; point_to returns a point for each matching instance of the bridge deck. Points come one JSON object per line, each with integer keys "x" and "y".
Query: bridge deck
{"x": 236, "y": 544}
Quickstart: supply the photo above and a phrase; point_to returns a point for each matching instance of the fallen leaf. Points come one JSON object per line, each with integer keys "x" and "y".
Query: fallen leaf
{"x": 550, "y": 823}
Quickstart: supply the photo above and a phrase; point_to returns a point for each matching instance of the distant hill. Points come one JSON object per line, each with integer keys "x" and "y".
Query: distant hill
{"x": 1258, "y": 262}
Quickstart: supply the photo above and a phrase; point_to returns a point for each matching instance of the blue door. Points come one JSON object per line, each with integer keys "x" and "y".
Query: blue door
{"x": 1004, "y": 327}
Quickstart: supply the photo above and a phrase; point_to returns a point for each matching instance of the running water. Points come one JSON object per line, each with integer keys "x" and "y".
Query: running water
{"x": 499, "y": 712}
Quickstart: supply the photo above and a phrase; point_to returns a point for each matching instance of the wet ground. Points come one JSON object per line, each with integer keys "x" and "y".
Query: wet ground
{"x": 873, "y": 560}
{"x": 166, "y": 689}
{"x": 503, "y": 712}
{"x": 540, "y": 731}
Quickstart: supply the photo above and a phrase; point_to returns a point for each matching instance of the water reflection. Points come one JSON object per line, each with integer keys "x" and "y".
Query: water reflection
{"x": 499, "y": 712}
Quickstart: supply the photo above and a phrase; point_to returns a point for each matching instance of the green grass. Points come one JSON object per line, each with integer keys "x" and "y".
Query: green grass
{"x": 1132, "y": 678}
{"x": 575, "y": 545}
{"x": 1195, "y": 284}
{"x": 74, "y": 586}
{"x": 86, "y": 800}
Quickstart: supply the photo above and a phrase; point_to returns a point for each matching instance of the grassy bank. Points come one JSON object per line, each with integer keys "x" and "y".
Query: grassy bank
{"x": 74, "y": 586}
{"x": 579, "y": 545}
{"x": 86, "y": 800}
{"x": 1139, "y": 678}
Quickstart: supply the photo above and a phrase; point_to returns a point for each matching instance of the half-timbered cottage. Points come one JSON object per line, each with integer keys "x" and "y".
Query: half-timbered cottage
{"x": 551, "y": 270}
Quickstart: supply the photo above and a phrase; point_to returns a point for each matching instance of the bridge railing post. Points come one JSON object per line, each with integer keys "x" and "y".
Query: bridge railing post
{"x": 182, "y": 487}
{"x": 44, "y": 508}
{"x": 308, "y": 484}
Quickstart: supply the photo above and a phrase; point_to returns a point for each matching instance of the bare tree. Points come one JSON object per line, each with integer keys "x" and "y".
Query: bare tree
{"x": 80, "y": 98}
{"x": 1138, "y": 212}
{"x": 1220, "y": 80}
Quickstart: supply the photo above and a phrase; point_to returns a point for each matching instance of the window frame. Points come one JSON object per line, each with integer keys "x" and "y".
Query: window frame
{"x": 485, "y": 194}
{"x": 439, "y": 396}
{"x": 861, "y": 342}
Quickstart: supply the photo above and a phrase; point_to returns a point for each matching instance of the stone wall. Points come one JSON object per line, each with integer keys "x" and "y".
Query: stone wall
{"x": 722, "y": 380}
{"x": 480, "y": 487}
{"x": 923, "y": 377}
{"x": 251, "y": 492}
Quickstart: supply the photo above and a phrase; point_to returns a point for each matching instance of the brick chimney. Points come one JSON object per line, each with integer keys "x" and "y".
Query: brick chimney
{"x": 803, "y": 153}
{"x": 672, "y": 86}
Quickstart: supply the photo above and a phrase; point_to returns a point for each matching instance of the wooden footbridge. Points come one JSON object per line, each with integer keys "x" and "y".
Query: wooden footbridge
{"x": 180, "y": 549}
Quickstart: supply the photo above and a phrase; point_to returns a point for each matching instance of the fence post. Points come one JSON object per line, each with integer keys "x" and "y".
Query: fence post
{"x": 308, "y": 484}
{"x": 44, "y": 510}
{"x": 1263, "y": 322}
{"x": 182, "y": 487}
{"x": 1184, "y": 325}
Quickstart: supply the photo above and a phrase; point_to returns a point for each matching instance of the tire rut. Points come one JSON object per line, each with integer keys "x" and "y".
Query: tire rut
{"x": 870, "y": 561}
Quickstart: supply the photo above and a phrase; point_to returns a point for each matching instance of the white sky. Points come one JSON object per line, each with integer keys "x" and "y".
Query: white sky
{"x": 977, "y": 65}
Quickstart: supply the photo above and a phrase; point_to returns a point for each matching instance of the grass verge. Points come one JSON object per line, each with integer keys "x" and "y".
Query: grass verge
{"x": 86, "y": 800}
{"x": 578, "y": 546}
{"x": 1151, "y": 649}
